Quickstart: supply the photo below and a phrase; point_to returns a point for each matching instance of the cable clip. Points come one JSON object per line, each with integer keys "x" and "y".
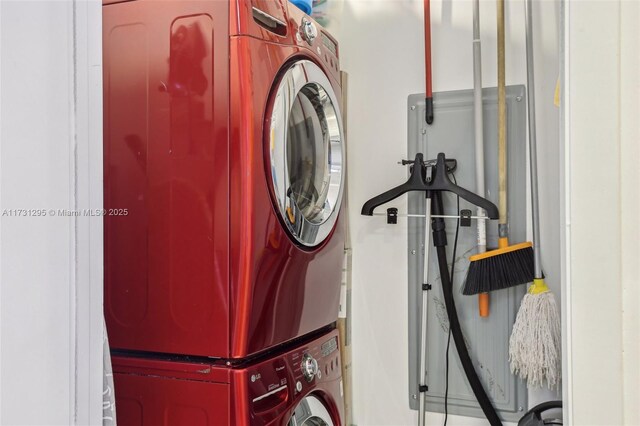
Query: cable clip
{"x": 423, "y": 388}
{"x": 465, "y": 217}
{"x": 392, "y": 215}
{"x": 426, "y": 287}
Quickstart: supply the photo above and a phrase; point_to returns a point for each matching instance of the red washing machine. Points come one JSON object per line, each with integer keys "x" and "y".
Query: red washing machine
{"x": 224, "y": 174}
{"x": 301, "y": 387}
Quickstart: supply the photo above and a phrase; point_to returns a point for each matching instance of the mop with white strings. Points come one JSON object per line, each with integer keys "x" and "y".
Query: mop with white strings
{"x": 534, "y": 346}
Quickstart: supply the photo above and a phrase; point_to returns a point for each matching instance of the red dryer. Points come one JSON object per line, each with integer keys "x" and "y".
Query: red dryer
{"x": 224, "y": 174}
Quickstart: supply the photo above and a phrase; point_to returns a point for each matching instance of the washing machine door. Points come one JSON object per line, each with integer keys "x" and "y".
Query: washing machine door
{"x": 311, "y": 412}
{"x": 306, "y": 153}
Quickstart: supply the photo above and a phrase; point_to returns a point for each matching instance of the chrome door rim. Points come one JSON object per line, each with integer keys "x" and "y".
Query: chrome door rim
{"x": 316, "y": 412}
{"x": 300, "y": 75}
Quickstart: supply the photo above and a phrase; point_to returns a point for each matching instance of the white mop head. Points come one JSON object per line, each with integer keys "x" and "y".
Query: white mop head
{"x": 534, "y": 346}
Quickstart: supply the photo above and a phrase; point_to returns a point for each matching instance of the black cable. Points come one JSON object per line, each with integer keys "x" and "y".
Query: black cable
{"x": 453, "y": 267}
{"x": 440, "y": 241}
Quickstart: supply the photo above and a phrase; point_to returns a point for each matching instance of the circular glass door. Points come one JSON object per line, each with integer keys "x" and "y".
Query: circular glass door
{"x": 306, "y": 153}
{"x": 310, "y": 412}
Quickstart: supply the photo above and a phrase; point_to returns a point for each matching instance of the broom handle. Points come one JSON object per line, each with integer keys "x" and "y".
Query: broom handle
{"x": 483, "y": 298}
{"x": 502, "y": 130}
{"x": 533, "y": 152}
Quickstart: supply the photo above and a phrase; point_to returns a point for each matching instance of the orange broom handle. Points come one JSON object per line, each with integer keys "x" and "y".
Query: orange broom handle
{"x": 483, "y": 298}
{"x": 483, "y": 304}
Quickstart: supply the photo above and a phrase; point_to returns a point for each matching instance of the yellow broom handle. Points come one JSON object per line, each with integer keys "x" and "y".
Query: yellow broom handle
{"x": 502, "y": 122}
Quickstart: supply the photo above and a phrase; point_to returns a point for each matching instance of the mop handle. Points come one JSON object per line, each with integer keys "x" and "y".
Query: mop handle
{"x": 533, "y": 158}
{"x": 478, "y": 121}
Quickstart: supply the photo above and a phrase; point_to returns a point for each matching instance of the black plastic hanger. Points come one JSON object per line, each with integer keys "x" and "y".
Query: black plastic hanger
{"x": 439, "y": 182}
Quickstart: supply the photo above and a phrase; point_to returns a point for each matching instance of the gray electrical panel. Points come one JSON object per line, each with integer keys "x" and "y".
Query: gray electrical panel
{"x": 452, "y": 132}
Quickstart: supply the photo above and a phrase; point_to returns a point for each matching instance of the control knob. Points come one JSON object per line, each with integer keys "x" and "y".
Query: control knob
{"x": 308, "y": 30}
{"x": 309, "y": 367}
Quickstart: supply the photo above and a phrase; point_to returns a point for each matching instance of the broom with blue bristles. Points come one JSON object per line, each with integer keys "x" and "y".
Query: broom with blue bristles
{"x": 534, "y": 346}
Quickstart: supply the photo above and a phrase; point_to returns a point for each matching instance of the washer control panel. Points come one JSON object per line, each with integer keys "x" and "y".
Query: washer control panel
{"x": 318, "y": 361}
{"x": 309, "y": 367}
{"x": 273, "y": 382}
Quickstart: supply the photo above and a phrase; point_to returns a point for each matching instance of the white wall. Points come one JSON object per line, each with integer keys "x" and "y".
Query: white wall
{"x": 630, "y": 206}
{"x": 602, "y": 201}
{"x": 50, "y": 267}
{"x": 382, "y": 50}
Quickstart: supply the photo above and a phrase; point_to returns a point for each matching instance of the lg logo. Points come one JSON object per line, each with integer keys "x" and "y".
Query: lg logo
{"x": 255, "y": 377}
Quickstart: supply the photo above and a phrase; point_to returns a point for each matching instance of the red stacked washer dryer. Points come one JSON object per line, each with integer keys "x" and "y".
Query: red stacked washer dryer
{"x": 271, "y": 391}
{"x": 223, "y": 141}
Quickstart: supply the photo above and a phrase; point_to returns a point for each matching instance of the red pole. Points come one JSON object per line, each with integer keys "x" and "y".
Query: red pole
{"x": 427, "y": 62}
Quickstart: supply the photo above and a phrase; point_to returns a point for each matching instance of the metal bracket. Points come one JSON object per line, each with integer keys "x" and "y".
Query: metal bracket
{"x": 465, "y": 217}
{"x": 451, "y": 163}
{"x": 392, "y": 215}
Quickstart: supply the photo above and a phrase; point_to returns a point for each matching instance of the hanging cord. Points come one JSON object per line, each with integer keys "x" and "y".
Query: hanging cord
{"x": 440, "y": 241}
{"x": 453, "y": 267}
